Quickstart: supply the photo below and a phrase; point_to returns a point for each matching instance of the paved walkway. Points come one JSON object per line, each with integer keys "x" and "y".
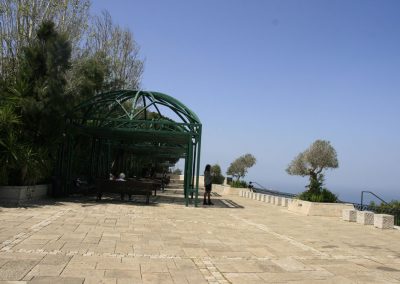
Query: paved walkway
{"x": 236, "y": 241}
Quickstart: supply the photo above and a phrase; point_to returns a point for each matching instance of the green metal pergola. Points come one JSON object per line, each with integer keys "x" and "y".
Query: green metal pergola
{"x": 143, "y": 125}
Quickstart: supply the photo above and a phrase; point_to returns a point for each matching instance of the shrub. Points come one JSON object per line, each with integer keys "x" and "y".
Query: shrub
{"x": 239, "y": 183}
{"x": 217, "y": 177}
{"x": 323, "y": 196}
{"x": 177, "y": 172}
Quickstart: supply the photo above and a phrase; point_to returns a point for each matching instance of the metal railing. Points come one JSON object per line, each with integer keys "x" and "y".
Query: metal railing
{"x": 370, "y": 192}
{"x": 378, "y": 209}
{"x": 262, "y": 189}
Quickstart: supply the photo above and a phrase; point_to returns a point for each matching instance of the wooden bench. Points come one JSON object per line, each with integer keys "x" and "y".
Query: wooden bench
{"x": 155, "y": 183}
{"x": 130, "y": 187}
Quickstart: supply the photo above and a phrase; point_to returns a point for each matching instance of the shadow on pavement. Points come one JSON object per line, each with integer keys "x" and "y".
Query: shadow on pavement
{"x": 167, "y": 197}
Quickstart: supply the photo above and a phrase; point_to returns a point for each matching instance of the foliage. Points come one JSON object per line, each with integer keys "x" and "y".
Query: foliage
{"x": 216, "y": 174}
{"x": 88, "y": 36}
{"x": 120, "y": 49}
{"x": 50, "y": 61}
{"x": 318, "y": 157}
{"x": 21, "y": 19}
{"x": 324, "y": 196}
{"x": 239, "y": 167}
{"x": 21, "y": 163}
{"x": 177, "y": 171}
{"x": 239, "y": 184}
{"x": 394, "y": 204}
{"x": 87, "y": 77}
{"x": 317, "y": 193}
{"x": 392, "y": 208}
{"x": 42, "y": 81}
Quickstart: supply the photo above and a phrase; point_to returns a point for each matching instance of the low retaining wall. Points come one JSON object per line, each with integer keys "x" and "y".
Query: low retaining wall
{"x": 344, "y": 210}
{"x": 318, "y": 208}
{"x": 226, "y": 189}
{"x": 16, "y": 194}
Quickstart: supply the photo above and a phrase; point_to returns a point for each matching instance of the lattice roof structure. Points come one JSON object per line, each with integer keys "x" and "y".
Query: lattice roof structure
{"x": 145, "y": 123}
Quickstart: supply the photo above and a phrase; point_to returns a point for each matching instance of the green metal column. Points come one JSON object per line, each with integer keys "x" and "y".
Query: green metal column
{"x": 92, "y": 157}
{"x": 190, "y": 172}
{"x": 198, "y": 138}
{"x": 193, "y": 166}
{"x": 185, "y": 180}
{"x": 66, "y": 189}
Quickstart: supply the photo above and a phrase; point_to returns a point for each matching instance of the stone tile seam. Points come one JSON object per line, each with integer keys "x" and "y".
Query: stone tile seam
{"x": 212, "y": 270}
{"x": 132, "y": 255}
{"x": 16, "y": 239}
{"x": 280, "y": 236}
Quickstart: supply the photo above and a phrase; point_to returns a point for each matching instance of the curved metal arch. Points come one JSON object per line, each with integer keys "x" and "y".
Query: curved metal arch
{"x": 104, "y": 105}
{"x": 116, "y": 116}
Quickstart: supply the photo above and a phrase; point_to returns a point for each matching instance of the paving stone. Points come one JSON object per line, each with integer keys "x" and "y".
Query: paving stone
{"x": 157, "y": 278}
{"x": 56, "y": 280}
{"x": 16, "y": 269}
{"x": 45, "y": 270}
{"x": 113, "y": 242}
{"x": 119, "y": 273}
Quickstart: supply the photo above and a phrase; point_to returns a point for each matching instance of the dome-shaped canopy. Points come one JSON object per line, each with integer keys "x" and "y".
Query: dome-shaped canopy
{"x": 127, "y": 127}
{"x": 131, "y": 105}
{"x": 120, "y": 113}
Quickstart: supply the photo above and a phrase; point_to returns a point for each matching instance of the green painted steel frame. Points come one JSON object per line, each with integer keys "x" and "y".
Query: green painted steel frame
{"x": 137, "y": 119}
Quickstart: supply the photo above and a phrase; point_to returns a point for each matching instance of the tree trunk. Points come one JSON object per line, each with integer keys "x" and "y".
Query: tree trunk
{"x": 314, "y": 186}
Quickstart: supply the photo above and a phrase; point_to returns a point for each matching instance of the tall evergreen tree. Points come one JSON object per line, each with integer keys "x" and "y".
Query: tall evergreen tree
{"x": 41, "y": 84}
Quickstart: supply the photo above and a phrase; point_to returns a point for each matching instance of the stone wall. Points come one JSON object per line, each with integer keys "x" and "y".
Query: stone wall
{"x": 16, "y": 194}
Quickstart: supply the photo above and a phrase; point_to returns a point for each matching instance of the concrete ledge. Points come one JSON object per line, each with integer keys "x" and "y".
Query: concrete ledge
{"x": 349, "y": 215}
{"x": 318, "y": 208}
{"x": 16, "y": 194}
{"x": 384, "y": 221}
{"x": 227, "y": 190}
{"x": 365, "y": 217}
{"x": 278, "y": 200}
{"x": 285, "y": 202}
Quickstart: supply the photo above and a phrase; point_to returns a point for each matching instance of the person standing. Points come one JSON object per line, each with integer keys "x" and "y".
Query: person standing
{"x": 207, "y": 185}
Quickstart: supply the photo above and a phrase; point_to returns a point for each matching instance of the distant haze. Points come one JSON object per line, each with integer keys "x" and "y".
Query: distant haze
{"x": 271, "y": 77}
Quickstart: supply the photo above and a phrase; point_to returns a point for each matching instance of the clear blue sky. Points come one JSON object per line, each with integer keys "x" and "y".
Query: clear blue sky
{"x": 271, "y": 77}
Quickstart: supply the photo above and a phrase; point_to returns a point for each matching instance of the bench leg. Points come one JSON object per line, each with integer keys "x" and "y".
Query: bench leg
{"x": 147, "y": 198}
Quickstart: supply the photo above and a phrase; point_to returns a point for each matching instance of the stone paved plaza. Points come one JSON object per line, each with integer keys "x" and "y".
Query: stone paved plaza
{"x": 238, "y": 240}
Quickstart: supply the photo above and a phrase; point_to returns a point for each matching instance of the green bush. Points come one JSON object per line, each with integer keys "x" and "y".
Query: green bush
{"x": 323, "y": 196}
{"x": 217, "y": 177}
{"x": 177, "y": 172}
{"x": 394, "y": 204}
{"x": 239, "y": 183}
{"x": 316, "y": 192}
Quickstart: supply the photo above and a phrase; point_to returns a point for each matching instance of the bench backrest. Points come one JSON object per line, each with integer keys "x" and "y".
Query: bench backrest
{"x": 129, "y": 186}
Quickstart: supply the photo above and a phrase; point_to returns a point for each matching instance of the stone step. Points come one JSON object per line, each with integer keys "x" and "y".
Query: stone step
{"x": 176, "y": 181}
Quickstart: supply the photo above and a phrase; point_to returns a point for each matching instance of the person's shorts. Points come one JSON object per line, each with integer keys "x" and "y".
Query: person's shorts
{"x": 208, "y": 188}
